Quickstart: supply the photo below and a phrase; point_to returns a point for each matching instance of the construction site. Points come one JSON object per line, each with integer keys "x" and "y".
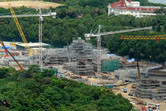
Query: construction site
{"x": 154, "y": 85}
{"x": 83, "y": 62}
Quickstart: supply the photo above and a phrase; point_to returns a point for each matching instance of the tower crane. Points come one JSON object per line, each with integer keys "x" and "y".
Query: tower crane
{"x": 40, "y": 15}
{"x": 156, "y": 37}
{"x": 98, "y": 36}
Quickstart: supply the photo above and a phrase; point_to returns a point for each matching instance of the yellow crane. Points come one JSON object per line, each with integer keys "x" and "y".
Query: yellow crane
{"x": 20, "y": 29}
{"x": 40, "y": 15}
{"x": 156, "y": 37}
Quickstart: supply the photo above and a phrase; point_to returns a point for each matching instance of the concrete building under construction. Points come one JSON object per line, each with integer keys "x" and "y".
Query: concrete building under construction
{"x": 79, "y": 57}
{"x": 82, "y": 58}
{"x": 153, "y": 86}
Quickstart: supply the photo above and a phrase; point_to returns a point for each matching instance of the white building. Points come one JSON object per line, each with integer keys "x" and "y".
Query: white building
{"x": 124, "y": 7}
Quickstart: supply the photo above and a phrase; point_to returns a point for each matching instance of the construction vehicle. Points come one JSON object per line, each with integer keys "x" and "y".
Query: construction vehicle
{"x": 40, "y": 15}
{"x": 124, "y": 90}
{"x": 98, "y": 36}
{"x": 157, "y": 106}
{"x": 133, "y": 85}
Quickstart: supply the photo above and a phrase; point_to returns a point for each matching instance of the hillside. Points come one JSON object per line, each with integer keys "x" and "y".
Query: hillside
{"x": 33, "y": 90}
{"x": 78, "y": 17}
{"x": 30, "y": 4}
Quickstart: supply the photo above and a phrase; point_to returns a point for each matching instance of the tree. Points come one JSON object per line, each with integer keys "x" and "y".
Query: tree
{"x": 3, "y": 72}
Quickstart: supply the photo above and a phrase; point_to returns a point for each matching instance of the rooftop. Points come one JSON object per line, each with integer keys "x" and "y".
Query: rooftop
{"x": 32, "y": 44}
{"x": 121, "y": 4}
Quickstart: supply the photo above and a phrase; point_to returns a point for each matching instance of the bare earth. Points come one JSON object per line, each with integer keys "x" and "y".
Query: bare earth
{"x": 30, "y": 4}
{"x": 135, "y": 100}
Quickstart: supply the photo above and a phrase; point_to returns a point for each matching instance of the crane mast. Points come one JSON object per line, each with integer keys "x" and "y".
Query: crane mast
{"x": 40, "y": 15}
{"x": 156, "y": 37}
{"x": 99, "y": 51}
{"x": 20, "y": 30}
{"x": 40, "y": 39}
{"x": 138, "y": 69}
{"x": 98, "y": 36}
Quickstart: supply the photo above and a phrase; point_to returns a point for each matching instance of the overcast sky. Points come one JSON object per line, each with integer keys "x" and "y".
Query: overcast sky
{"x": 158, "y": 1}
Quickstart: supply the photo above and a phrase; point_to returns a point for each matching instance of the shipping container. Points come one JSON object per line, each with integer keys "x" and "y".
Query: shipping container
{"x": 109, "y": 85}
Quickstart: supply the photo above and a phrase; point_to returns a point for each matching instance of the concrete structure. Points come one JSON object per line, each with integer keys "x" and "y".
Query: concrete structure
{"x": 124, "y": 7}
{"x": 79, "y": 57}
{"x": 22, "y": 46}
{"x": 129, "y": 75}
{"x": 82, "y": 58}
{"x": 153, "y": 86}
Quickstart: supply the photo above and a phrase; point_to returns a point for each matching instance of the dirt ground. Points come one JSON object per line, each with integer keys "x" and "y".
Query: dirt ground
{"x": 134, "y": 100}
{"x": 30, "y": 4}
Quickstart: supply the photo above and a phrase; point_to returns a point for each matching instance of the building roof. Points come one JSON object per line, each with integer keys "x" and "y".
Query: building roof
{"x": 121, "y": 4}
{"x": 32, "y": 44}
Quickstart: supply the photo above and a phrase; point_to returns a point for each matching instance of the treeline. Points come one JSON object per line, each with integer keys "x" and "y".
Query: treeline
{"x": 100, "y": 3}
{"x": 33, "y": 90}
{"x": 77, "y": 18}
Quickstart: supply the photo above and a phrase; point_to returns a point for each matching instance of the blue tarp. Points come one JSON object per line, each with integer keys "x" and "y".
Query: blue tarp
{"x": 7, "y": 47}
{"x": 109, "y": 85}
{"x": 131, "y": 60}
{"x": 154, "y": 67}
{"x": 111, "y": 55}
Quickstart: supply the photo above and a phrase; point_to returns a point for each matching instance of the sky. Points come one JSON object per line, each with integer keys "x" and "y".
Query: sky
{"x": 158, "y": 1}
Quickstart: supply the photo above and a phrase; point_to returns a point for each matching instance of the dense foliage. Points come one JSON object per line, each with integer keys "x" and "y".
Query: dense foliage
{"x": 33, "y": 90}
{"x": 78, "y": 17}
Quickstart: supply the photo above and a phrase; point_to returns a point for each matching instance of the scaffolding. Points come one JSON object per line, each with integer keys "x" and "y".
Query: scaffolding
{"x": 79, "y": 57}
{"x": 152, "y": 88}
{"x": 82, "y": 58}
